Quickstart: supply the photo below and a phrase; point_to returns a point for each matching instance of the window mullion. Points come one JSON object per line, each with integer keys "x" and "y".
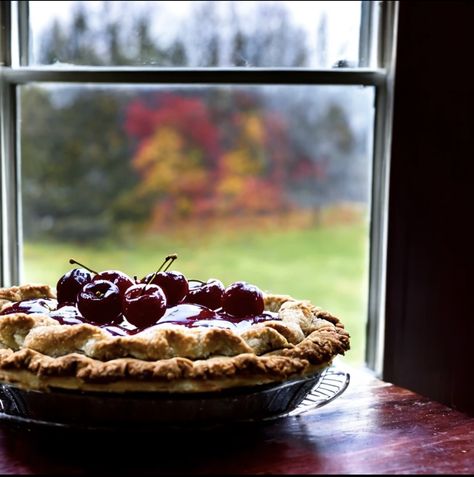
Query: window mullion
{"x": 24, "y": 32}
{"x": 379, "y": 200}
{"x": 5, "y": 38}
{"x": 365, "y": 35}
{"x": 11, "y": 242}
{"x": 10, "y": 230}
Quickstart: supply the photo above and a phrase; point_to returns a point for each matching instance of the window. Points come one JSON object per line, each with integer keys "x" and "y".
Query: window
{"x": 250, "y": 151}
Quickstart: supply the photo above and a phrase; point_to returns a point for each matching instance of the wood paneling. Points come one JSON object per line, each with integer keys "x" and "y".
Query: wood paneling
{"x": 429, "y": 317}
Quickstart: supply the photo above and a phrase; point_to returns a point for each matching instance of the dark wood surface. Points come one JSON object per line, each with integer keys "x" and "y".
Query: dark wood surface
{"x": 374, "y": 427}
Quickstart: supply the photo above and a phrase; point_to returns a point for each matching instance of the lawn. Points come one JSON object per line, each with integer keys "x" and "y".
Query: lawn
{"x": 327, "y": 265}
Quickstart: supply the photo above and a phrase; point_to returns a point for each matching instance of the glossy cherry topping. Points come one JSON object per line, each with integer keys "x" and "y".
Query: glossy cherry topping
{"x": 99, "y": 302}
{"x": 206, "y": 293}
{"x": 67, "y": 315}
{"x": 36, "y": 305}
{"x": 243, "y": 299}
{"x": 71, "y": 283}
{"x": 143, "y": 305}
{"x": 174, "y": 284}
{"x": 122, "y": 280}
{"x": 185, "y": 314}
{"x": 191, "y": 316}
{"x": 122, "y": 306}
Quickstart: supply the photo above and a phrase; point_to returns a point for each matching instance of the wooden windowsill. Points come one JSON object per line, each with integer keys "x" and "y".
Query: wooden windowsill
{"x": 374, "y": 427}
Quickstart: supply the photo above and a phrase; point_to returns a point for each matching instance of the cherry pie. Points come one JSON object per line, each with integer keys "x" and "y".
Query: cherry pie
{"x": 157, "y": 336}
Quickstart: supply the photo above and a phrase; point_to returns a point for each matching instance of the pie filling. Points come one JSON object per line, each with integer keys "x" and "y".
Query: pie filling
{"x": 184, "y": 314}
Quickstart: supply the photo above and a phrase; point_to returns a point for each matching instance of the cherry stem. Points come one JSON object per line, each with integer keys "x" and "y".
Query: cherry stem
{"x": 72, "y": 262}
{"x": 196, "y": 280}
{"x": 170, "y": 258}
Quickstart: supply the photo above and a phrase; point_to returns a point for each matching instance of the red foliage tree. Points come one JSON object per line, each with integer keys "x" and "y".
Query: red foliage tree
{"x": 198, "y": 162}
{"x": 187, "y": 115}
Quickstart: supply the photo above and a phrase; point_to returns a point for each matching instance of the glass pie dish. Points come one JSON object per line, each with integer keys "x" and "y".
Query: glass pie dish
{"x": 145, "y": 412}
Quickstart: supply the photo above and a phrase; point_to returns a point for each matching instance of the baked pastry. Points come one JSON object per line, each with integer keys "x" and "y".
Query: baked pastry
{"x": 46, "y": 342}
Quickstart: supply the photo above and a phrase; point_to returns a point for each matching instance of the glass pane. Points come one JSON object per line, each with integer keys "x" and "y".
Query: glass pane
{"x": 195, "y": 33}
{"x": 268, "y": 184}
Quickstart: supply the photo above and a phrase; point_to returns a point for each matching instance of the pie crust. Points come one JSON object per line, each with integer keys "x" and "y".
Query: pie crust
{"x": 37, "y": 352}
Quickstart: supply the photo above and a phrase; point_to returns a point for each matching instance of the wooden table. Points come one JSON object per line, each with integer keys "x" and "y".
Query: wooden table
{"x": 374, "y": 427}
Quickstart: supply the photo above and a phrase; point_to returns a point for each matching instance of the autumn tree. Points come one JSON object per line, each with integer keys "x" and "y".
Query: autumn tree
{"x": 200, "y": 158}
{"x": 176, "y": 155}
{"x": 253, "y": 166}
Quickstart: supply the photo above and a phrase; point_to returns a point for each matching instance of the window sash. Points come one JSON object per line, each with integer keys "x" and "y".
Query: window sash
{"x": 15, "y": 72}
{"x": 134, "y": 75}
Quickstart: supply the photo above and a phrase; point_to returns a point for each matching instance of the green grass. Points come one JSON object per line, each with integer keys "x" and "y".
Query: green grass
{"x": 327, "y": 265}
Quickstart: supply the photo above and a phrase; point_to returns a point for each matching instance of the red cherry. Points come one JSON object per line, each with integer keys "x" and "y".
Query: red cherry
{"x": 99, "y": 302}
{"x": 70, "y": 284}
{"x": 243, "y": 299}
{"x": 174, "y": 284}
{"x": 143, "y": 305}
{"x": 208, "y": 294}
{"x": 122, "y": 280}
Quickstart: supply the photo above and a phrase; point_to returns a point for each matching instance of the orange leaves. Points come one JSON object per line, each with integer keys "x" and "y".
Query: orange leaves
{"x": 253, "y": 129}
{"x": 239, "y": 162}
{"x": 158, "y": 157}
{"x": 194, "y": 161}
{"x": 168, "y": 166}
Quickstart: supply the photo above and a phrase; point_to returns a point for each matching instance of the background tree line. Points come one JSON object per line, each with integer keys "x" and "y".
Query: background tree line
{"x": 96, "y": 159}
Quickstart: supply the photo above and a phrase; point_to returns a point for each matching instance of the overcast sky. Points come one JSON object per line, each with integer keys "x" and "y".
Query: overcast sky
{"x": 342, "y": 18}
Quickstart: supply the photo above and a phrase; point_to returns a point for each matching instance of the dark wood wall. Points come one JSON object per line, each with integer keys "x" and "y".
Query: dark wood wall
{"x": 429, "y": 344}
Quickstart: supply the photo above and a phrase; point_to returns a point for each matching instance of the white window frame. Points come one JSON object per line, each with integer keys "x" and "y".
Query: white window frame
{"x": 15, "y": 71}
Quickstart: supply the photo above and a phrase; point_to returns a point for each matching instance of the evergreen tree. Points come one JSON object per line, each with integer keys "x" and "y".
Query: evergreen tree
{"x": 76, "y": 163}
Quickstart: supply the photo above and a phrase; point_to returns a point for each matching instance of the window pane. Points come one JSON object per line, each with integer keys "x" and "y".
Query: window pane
{"x": 196, "y": 33}
{"x": 267, "y": 184}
